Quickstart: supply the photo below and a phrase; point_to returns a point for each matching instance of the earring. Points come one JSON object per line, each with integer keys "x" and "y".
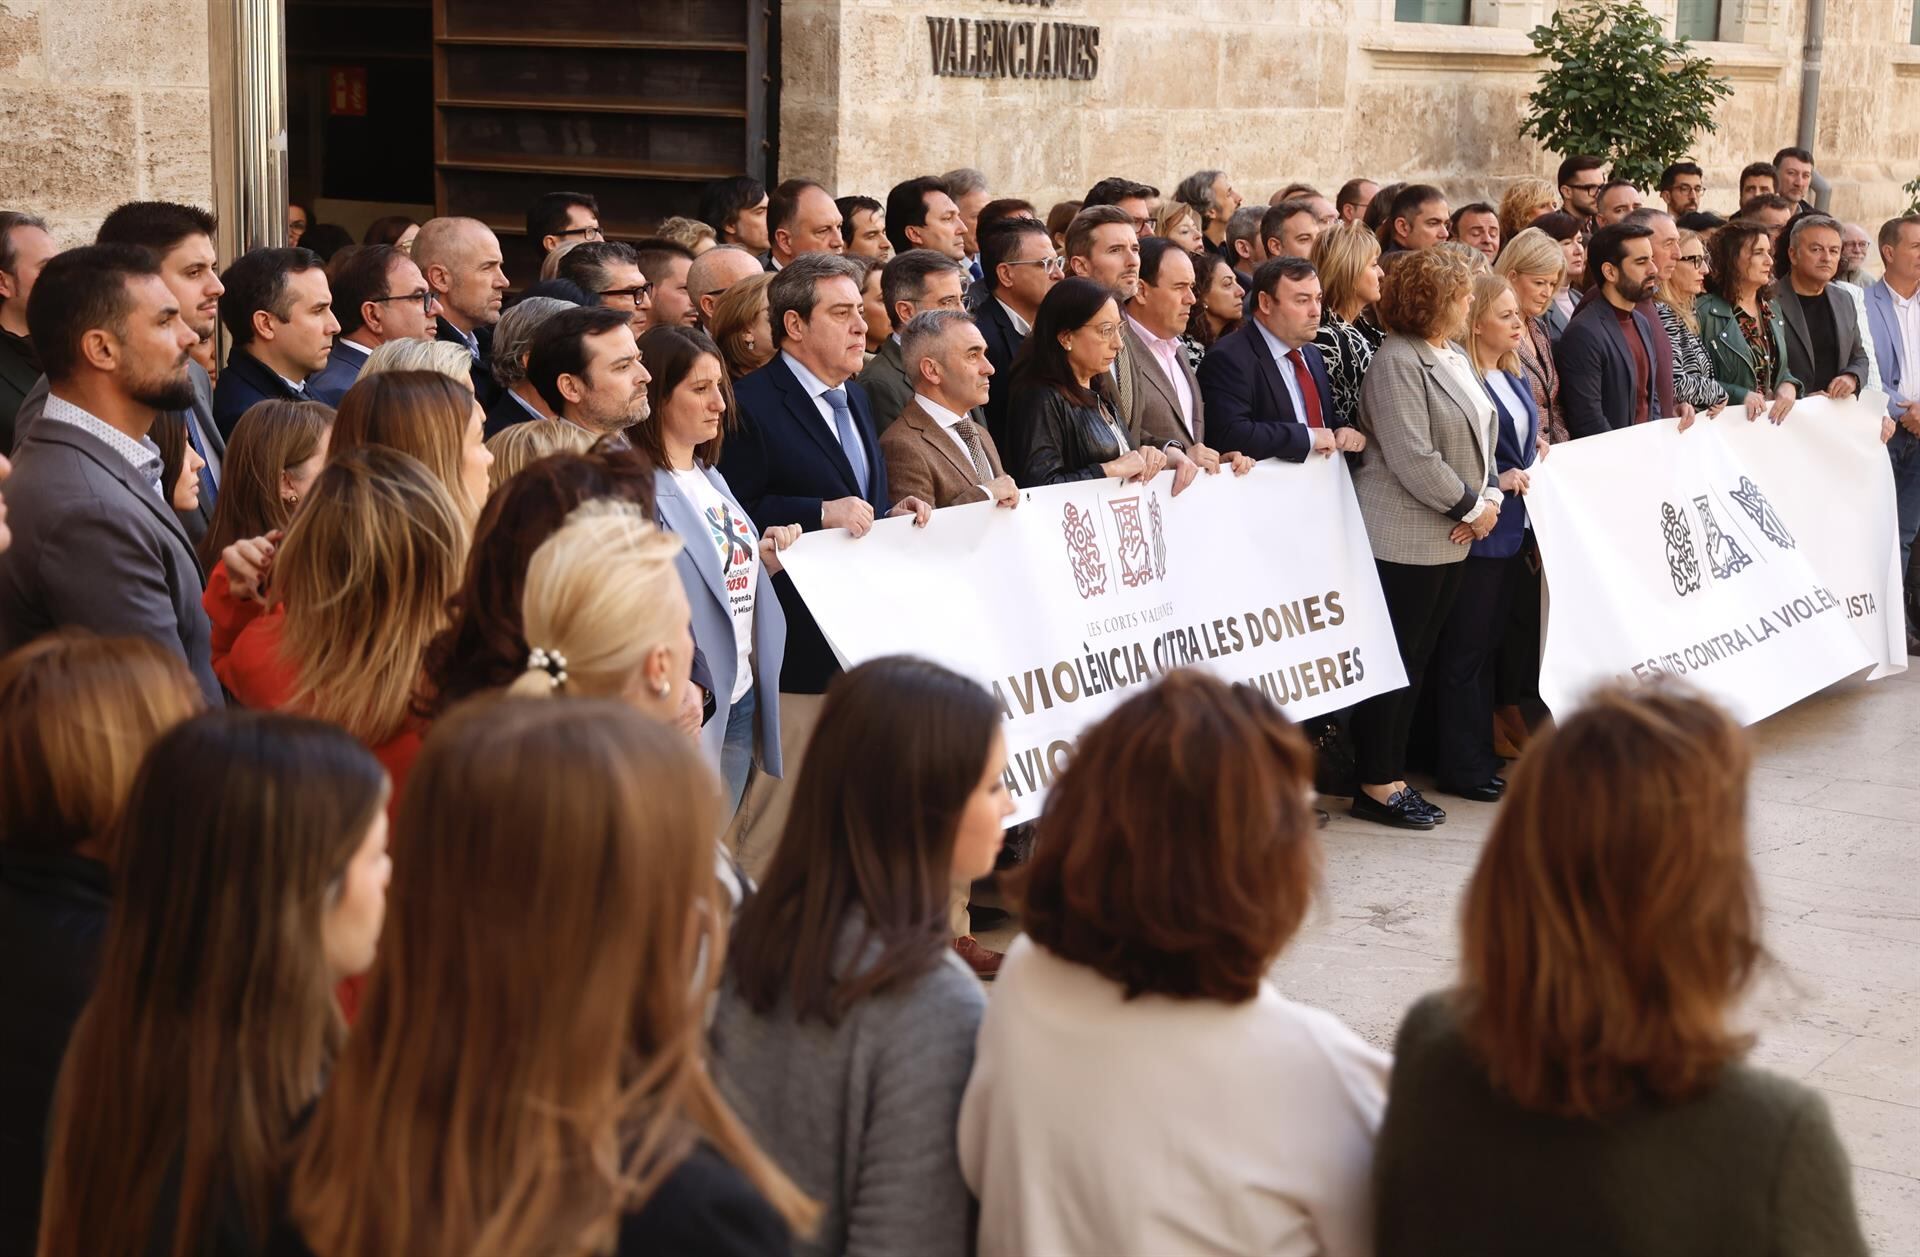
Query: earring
{"x": 290, "y": 499}
{"x": 1069, "y": 344}
{"x": 661, "y": 689}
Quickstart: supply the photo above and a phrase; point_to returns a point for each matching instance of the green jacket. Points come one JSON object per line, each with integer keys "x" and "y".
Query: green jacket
{"x": 1732, "y": 359}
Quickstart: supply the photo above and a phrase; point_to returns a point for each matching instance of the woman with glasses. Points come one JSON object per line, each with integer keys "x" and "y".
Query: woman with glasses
{"x": 1693, "y": 379}
{"x": 1060, "y": 415}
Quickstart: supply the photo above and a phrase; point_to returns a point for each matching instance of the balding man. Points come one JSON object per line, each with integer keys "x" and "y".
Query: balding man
{"x": 460, "y": 258}
{"x": 715, "y": 271}
{"x": 801, "y": 218}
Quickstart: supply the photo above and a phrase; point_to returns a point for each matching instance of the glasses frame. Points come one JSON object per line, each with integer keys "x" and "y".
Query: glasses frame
{"x": 589, "y": 234}
{"x": 426, "y": 298}
{"x": 631, "y": 294}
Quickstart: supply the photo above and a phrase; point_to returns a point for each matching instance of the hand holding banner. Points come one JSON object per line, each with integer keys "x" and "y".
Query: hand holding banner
{"x": 1086, "y": 590}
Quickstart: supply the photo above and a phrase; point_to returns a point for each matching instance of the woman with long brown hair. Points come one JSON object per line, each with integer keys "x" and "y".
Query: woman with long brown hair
{"x": 741, "y": 326}
{"x": 1582, "y": 1090}
{"x": 555, "y": 1099}
{"x": 252, "y": 879}
{"x": 276, "y": 450}
{"x": 1744, "y": 333}
{"x": 77, "y": 713}
{"x": 1139, "y": 1086}
{"x": 845, "y": 1028}
{"x": 427, "y": 415}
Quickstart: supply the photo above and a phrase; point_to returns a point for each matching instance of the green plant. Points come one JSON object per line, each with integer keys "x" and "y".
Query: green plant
{"x": 1619, "y": 88}
{"x": 1912, "y": 189}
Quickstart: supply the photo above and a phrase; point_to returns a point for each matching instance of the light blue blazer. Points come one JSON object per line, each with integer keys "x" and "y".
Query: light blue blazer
{"x": 713, "y": 622}
{"x": 1885, "y": 327}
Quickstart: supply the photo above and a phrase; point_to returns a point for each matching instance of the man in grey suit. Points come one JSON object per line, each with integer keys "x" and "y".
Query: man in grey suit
{"x": 181, "y": 236}
{"x": 1824, "y": 347}
{"x": 95, "y": 542}
{"x": 914, "y": 282}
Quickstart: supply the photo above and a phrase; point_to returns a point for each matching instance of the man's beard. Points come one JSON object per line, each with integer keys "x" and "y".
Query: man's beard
{"x": 169, "y": 392}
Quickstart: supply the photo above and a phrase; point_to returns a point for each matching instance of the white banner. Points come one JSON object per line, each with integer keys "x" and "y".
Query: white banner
{"x": 1759, "y": 561}
{"x": 1065, "y": 603}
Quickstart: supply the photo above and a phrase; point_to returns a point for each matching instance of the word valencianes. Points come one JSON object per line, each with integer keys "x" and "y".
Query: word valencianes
{"x": 999, "y": 48}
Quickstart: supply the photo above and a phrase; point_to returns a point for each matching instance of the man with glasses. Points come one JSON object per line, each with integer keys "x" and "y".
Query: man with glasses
{"x": 379, "y": 295}
{"x": 559, "y": 217}
{"x": 610, "y": 272}
{"x": 461, "y": 260}
{"x": 1580, "y": 181}
{"x": 1681, "y": 187}
{"x": 1140, "y": 201}
{"x": 1018, "y": 267}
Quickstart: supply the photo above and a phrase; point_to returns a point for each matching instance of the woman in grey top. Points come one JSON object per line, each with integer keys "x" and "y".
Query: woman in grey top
{"x": 845, "y": 1028}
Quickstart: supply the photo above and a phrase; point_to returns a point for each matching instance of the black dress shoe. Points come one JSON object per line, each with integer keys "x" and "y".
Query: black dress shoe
{"x": 1439, "y": 817}
{"x": 1488, "y": 791}
{"x": 1401, "y": 811}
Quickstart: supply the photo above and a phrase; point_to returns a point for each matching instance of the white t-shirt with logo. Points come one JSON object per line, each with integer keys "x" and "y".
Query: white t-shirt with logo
{"x": 731, "y": 534}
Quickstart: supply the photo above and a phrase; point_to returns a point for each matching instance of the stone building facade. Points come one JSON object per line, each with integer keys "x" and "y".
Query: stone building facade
{"x": 104, "y": 100}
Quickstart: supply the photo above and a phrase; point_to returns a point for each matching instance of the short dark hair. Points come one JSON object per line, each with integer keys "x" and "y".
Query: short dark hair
{"x": 655, "y": 256}
{"x": 1376, "y": 216}
{"x": 1758, "y": 169}
{"x": 590, "y": 265}
{"x": 10, "y": 219}
{"x": 1700, "y": 220}
{"x": 1267, "y": 276}
{"x": 1674, "y": 171}
{"x": 907, "y": 207}
{"x": 1578, "y": 164}
{"x": 784, "y": 202}
{"x": 1080, "y": 230}
{"x": 1795, "y": 152}
{"x": 326, "y": 239}
{"x": 1191, "y": 797}
{"x": 1153, "y": 252}
{"x": 722, "y": 200}
{"x": 80, "y": 290}
{"x": 357, "y": 275}
{"x": 1608, "y": 246}
{"x": 851, "y": 205}
{"x": 906, "y": 275}
{"x": 1610, "y": 185}
{"x": 796, "y": 287}
{"x": 1277, "y": 215}
{"x": 1112, "y": 191}
{"x": 1765, "y": 201}
{"x": 1001, "y": 241}
{"x": 1476, "y": 207}
{"x": 257, "y": 280}
{"x": 1349, "y": 193}
{"x": 1890, "y": 230}
{"x": 1561, "y": 225}
{"x": 999, "y": 211}
{"x": 1244, "y": 224}
{"x": 560, "y": 348}
{"x": 548, "y": 215}
{"x": 1407, "y": 202}
{"x": 156, "y": 225}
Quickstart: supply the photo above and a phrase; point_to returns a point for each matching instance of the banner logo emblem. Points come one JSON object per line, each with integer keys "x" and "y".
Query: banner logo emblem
{"x": 1683, "y": 566}
{"x": 1083, "y": 550}
{"x": 1724, "y": 554}
{"x": 1749, "y": 499}
{"x": 1141, "y": 545}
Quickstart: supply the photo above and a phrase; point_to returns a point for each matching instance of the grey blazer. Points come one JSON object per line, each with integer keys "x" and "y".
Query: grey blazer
{"x": 1429, "y": 457}
{"x": 1148, "y": 404}
{"x": 885, "y": 379}
{"x": 1850, "y": 346}
{"x": 706, "y": 588}
{"x": 95, "y": 547}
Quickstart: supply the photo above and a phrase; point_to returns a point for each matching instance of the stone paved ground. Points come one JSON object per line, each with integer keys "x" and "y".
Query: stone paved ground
{"x": 1836, "y": 839}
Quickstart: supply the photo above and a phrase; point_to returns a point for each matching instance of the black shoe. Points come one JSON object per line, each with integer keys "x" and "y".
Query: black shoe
{"x": 1488, "y": 791}
{"x": 1438, "y": 816}
{"x": 1401, "y": 811}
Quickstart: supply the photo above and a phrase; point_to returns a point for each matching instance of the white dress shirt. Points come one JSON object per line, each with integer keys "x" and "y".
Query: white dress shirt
{"x": 1020, "y": 325}
{"x": 1168, "y": 352}
{"x": 1906, "y": 317}
{"x": 1278, "y": 348}
{"x": 817, "y": 389}
{"x": 946, "y": 419}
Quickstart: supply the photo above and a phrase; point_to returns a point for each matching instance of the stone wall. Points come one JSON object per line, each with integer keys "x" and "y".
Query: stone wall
{"x": 102, "y": 101}
{"x": 1320, "y": 90}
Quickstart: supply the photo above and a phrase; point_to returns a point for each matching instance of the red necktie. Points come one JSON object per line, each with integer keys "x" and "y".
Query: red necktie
{"x": 1309, "y": 391}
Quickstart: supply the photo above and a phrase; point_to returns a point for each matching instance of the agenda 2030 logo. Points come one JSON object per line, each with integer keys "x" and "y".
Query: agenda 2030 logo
{"x": 1128, "y": 543}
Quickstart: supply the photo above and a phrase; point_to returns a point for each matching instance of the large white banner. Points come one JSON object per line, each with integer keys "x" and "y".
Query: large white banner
{"x": 1759, "y": 561}
{"x": 1062, "y": 605}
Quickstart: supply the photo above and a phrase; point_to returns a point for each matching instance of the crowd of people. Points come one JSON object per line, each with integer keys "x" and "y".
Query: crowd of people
{"x": 476, "y": 597}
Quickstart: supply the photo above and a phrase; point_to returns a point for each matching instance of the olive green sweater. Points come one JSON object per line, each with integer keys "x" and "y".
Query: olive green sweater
{"x": 1751, "y": 1168}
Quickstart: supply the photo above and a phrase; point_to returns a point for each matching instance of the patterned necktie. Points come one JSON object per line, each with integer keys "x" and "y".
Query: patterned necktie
{"x": 970, "y": 437}
{"x": 849, "y": 443}
{"x": 1309, "y": 391}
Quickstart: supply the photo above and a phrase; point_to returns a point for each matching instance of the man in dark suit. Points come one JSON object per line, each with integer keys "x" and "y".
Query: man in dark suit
{"x": 25, "y": 247}
{"x": 1607, "y": 359}
{"x": 278, "y": 312}
{"x": 96, "y": 544}
{"x": 1825, "y": 350}
{"x": 913, "y": 282}
{"x": 1265, "y": 385}
{"x": 807, "y": 452}
{"x": 1666, "y": 256}
{"x": 801, "y": 218}
{"x": 379, "y": 295}
{"x": 460, "y": 258}
{"x": 1019, "y": 268}
{"x": 513, "y": 337}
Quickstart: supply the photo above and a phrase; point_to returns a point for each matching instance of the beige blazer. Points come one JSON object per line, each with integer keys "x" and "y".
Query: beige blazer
{"x": 1148, "y": 404}
{"x": 922, "y": 460}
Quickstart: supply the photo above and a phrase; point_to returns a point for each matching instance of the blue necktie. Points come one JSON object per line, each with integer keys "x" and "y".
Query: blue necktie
{"x": 208, "y": 489}
{"x": 849, "y": 443}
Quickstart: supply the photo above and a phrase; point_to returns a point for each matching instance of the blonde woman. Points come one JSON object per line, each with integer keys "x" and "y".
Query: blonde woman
{"x": 1348, "y": 259}
{"x": 605, "y": 613}
{"x": 1180, "y": 223}
{"x": 445, "y": 357}
{"x": 362, "y": 582}
{"x": 432, "y": 416}
{"x": 1535, "y": 264}
{"x": 695, "y": 235}
{"x": 514, "y": 447}
{"x": 741, "y": 328}
{"x": 1522, "y": 202}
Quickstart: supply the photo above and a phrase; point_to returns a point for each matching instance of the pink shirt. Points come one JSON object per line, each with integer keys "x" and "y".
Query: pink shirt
{"x": 1168, "y": 352}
